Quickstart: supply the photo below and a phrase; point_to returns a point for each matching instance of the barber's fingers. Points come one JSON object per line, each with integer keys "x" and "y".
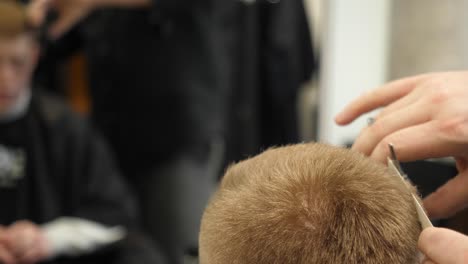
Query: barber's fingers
{"x": 36, "y": 11}
{"x": 409, "y": 116}
{"x": 65, "y": 22}
{"x": 449, "y": 199}
{"x": 70, "y": 13}
{"x": 377, "y": 98}
{"x": 414, "y": 96}
{"x": 444, "y": 246}
{"x": 418, "y": 142}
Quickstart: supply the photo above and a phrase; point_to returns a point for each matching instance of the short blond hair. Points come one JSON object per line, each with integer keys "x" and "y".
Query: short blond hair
{"x": 310, "y": 203}
{"x": 13, "y": 18}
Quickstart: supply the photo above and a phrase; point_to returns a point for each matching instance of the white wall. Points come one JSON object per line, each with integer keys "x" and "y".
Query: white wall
{"x": 355, "y": 58}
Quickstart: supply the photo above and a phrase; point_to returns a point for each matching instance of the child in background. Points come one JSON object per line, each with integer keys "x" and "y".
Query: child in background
{"x": 53, "y": 165}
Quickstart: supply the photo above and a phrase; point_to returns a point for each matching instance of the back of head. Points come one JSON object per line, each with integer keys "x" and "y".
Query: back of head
{"x": 310, "y": 203}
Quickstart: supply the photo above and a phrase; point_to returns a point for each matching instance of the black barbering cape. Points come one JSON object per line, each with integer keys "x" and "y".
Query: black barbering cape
{"x": 151, "y": 73}
{"x": 51, "y": 165}
{"x": 186, "y": 71}
{"x": 269, "y": 49}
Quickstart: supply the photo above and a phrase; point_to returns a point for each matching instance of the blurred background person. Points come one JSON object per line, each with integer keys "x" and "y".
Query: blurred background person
{"x": 53, "y": 165}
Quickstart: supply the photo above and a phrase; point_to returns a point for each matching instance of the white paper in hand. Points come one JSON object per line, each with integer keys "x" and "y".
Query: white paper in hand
{"x": 70, "y": 236}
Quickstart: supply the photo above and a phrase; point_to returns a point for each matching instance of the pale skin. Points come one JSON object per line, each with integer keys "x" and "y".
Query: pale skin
{"x": 18, "y": 58}
{"x": 443, "y": 246}
{"x": 424, "y": 117}
{"x": 23, "y": 243}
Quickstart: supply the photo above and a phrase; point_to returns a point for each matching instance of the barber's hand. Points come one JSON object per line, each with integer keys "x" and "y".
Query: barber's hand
{"x": 25, "y": 243}
{"x": 70, "y": 13}
{"x": 443, "y": 246}
{"x": 36, "y": 11}
{"x": 423, "y": 117}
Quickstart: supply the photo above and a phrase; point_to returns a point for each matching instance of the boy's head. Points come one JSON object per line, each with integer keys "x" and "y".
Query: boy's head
{"x": 19, "y": 52}
{"x": 310, "y": 203}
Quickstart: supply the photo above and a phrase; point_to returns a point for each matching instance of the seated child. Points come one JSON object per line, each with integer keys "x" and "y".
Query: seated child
{"x": 62, "y": 198}
{"x": 310, "y": 203}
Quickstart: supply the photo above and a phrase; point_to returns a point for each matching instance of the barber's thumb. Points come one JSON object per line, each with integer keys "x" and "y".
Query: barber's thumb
{"x": 444, "y": 246}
